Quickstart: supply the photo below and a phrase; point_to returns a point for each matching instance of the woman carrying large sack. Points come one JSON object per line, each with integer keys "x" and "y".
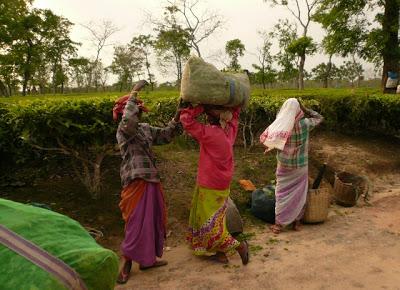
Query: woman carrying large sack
{"x": 142, "y": 199}
{"x": 289, "y": 133}
{"x": 208, "y": 234}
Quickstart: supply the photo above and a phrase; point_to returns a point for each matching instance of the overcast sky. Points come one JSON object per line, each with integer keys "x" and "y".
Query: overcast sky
{"x": 243, "y": 19}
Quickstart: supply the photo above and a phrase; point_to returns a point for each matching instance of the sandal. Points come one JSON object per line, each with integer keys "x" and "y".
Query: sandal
{"x": 243, "y": 251}
{"x": 159, "y": 263}
{"x": 123, "y": 276}
{"x": 276, "y": 229}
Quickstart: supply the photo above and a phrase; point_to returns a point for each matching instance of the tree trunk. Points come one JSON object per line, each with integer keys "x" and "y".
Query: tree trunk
{"x": 27, "y": 68}
{"x": 148, "y": 72}
{"x": 263, "y": 77}
{"x": 90, "y": 174}
{"x": 3, "y": 89}
{"x": 10, "y": 90}
{"x": 391, "y": 51}
{"x": 328, "y": 72}
{"x": 301, "y": 71}
{"x": 196, "y": 47}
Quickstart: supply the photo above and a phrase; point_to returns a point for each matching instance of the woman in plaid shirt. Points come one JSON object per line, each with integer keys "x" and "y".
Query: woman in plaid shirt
{"x": 142, "y": 199}
{"x": 289, "y": 133}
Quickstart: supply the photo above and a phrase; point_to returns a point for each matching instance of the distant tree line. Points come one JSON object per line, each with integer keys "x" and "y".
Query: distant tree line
{"x": 37, "y": 54}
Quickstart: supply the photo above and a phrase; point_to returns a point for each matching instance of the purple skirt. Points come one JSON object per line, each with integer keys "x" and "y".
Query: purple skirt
{"x": 145, "y": 228}
{"x": 290, "y": 194}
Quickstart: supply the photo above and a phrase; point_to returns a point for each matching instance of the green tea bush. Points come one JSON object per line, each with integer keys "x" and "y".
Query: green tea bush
{"x": 82, "y": 128}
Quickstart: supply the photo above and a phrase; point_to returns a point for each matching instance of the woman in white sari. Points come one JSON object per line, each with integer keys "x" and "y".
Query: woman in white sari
{"x": 289, "y": 133}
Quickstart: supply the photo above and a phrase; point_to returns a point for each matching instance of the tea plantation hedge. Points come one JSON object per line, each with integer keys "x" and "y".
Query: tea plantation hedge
{"x": 81, "y": 126}
{"x": 84, "y": 123}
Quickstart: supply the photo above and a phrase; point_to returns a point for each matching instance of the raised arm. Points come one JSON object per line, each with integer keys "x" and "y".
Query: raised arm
{"x": 190, "y": 124}
{"x": 164, "y": 135}
{"x": 130, "y": 119}
{"x": 313, "y": 119}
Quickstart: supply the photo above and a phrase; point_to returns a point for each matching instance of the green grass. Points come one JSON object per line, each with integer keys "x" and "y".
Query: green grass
{"x": 167, "y": 94}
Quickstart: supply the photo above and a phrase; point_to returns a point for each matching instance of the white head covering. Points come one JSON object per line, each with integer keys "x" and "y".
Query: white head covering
{"x": 276, "y": 135}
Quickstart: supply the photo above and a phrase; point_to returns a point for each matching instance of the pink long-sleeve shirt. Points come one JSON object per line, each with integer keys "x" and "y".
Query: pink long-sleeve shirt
{"x": 216, "y": 163}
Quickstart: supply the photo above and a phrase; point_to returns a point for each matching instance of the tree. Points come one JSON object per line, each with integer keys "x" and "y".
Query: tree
{"x": 304, "y": 45}
{"x": 103, "y": 74}
{"x": 41, "y": 77}
{"x": 352, "y": 71}
{"x": 11, "y": 16}
{"x": 59, "y": 48}
{"x": 200, "y": 25}
{"x": 126, "y": 63}
{"x": 8, "y": 75}
{"x": 324, "y": 72}
{"x": 28, "y": 48}
{"x": 286, "y": 33}
{"x": 351, "y": 33}
{"x": 143, "y": 44}
{"x": 37, "y": 38}
{"x": 265, "y": 73}
{"x": 234, "y": 49}
{"x": 301, "y": 47}
{"x": 78, "y": 68}
{"x": 100, "y": 34}
{"x": 172, "y": 47}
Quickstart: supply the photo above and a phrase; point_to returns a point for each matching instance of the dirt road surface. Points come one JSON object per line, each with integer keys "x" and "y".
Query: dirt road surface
{"x": 356, "y": 248}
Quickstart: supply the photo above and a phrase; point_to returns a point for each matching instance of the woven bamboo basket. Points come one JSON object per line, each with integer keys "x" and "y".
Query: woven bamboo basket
{"x": 317, "y": 206}
{"x": 348, "y": 188}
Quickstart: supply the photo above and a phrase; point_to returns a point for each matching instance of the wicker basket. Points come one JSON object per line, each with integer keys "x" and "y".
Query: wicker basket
{"x": 348, "y": 188}
{"x": 317, "y": 206}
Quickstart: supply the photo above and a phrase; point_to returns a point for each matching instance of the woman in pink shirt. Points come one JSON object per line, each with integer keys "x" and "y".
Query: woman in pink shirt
{"x": 208, "y": 234}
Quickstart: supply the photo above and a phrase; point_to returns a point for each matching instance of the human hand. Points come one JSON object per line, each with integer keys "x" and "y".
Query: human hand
{"x": 139, "y": 85}
{"x": 182, "y": 104}
{"x": 267, "y": 149}
{"x": 304, "y": 109}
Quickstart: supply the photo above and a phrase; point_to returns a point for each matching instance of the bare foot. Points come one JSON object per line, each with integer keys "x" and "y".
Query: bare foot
{"x": 296, "y": 226}
{"x": 125, "y": 271}
{"x": 158, "y": 263}
{"x": 276, "y": 228}
{"x": 220, "y": 257}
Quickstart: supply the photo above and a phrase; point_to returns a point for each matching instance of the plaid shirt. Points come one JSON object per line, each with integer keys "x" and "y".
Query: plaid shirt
{"x": 295, "y": 152}
{"x": 135, "y": 140}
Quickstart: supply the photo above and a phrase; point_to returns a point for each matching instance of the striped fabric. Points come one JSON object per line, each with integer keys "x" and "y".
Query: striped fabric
{"x": 290, "y": 194}
{"x": 295, "y": 152}
{"x": 65, "y": 274}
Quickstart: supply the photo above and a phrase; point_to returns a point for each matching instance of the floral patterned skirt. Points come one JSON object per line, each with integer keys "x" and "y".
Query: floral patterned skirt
{"x": 207, "y": 232}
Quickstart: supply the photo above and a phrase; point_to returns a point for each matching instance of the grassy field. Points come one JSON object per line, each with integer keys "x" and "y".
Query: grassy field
{"x": 160, "y": 94}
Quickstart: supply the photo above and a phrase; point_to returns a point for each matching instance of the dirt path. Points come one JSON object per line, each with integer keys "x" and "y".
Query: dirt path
{"x": 357, "y": 248}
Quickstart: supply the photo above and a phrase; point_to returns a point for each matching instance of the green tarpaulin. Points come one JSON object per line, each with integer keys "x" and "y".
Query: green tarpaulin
{"x": 60, "y": 236}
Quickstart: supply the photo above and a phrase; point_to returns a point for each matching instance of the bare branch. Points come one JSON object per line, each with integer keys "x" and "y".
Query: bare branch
{"x": 100, "y": 33}
{"x": 59, "y": 150}
{"x": 200, "y": 27}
